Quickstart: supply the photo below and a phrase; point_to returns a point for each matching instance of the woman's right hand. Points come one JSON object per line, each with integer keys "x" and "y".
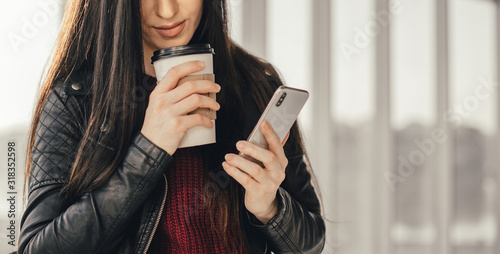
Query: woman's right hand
{"x": 166, "y": 120}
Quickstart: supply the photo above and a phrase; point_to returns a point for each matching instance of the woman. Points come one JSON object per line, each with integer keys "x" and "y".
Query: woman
{"x": 105, "y": 174}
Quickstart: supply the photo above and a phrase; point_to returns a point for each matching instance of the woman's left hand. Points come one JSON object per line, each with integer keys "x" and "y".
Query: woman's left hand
{"x": 261, "y": 184}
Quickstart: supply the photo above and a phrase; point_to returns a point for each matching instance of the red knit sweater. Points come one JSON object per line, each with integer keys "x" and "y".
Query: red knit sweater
{"x": 184, "y": 225}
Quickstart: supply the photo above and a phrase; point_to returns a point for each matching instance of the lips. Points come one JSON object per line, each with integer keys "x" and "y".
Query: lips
{"x": 172, "y": 30}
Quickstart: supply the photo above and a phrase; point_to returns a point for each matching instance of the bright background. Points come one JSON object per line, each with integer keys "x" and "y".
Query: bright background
{"x": 402, "y": 124}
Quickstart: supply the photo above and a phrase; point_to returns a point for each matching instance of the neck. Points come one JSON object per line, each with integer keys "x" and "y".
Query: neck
{"x": 148, "y": 66}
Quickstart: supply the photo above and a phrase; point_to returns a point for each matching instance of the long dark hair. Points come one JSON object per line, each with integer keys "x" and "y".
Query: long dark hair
{"x": 98, "y": 37}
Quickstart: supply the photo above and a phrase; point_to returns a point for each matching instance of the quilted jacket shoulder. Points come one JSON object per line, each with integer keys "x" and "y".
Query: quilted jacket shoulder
{"x": 62, "y": 112}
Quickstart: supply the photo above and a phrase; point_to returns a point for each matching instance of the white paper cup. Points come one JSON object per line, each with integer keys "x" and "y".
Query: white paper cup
{"x": 164, "y": 59}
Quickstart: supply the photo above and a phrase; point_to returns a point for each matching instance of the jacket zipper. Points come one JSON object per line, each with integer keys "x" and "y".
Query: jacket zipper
{"x": 159, "y": 216}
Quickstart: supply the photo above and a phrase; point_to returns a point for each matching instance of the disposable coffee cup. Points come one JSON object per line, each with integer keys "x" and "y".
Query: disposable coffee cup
{"x": 164, "y": 59}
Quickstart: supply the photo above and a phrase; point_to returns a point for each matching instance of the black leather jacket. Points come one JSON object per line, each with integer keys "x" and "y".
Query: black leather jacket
{"x": 121, "y": 216}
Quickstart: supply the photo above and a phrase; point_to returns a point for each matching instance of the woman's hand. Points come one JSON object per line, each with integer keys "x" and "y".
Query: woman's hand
{"x": 166, "y": 120}
{"x": 261, "y": 184}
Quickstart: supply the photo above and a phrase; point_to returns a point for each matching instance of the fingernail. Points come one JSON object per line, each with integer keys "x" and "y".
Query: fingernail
{"x": 240, "y": 144}
{"x": 201, "y": 63}
{"x": 227, "y": 156}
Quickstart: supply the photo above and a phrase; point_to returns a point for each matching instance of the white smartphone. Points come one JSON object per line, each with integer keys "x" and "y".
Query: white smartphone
{"x": 281, "y": 112}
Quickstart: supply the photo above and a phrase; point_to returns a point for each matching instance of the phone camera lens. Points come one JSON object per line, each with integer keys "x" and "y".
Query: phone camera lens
{"x": 281, "y": 99}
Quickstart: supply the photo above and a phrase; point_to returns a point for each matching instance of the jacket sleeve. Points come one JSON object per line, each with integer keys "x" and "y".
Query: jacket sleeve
{"x": 294, "y": 228}
{"x": 94, "y": 222}
{"x": 298, "y": 226}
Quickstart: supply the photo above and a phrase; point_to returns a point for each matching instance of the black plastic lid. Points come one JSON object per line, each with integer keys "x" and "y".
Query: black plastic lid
{"x": 182, "y": 51}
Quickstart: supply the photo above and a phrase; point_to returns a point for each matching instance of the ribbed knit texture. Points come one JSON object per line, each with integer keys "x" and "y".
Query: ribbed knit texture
{"x": 184, "y": 226}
